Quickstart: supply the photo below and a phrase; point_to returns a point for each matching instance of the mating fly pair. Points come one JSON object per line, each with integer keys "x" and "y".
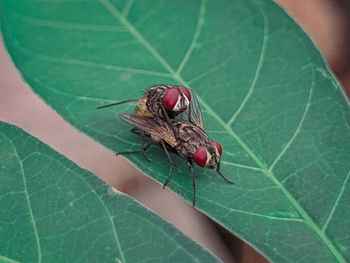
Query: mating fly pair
{"x": 172, "y": 118}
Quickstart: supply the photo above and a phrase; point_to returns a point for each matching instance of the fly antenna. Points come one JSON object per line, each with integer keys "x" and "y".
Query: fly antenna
{"x": 117, "y": 103}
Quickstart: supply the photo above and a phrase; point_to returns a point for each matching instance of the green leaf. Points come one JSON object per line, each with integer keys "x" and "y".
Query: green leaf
{"x": 265, "y": 90}
{"x": 54, "y": 211}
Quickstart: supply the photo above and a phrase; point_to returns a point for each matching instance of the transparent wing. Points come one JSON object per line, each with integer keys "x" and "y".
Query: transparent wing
{"x": 196, "y": 112}
{"x": 154, "y": 126}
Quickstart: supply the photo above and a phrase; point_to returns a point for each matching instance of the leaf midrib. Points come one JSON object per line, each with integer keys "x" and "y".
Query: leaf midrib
{"x": 308, "y": 220}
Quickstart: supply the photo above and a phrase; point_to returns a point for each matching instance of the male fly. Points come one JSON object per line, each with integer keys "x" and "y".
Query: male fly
{"x": 166, "y": 102}
{"x": 181, "y": 137}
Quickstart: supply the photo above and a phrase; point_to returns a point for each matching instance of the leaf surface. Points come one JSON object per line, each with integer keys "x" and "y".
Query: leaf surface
{"x": 266, "y": 93}
{"x": 54, "y": 211}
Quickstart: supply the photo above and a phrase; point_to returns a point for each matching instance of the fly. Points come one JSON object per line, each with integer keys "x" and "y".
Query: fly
{"x": 183, "y": 138}
{"x": 167, "y": 102}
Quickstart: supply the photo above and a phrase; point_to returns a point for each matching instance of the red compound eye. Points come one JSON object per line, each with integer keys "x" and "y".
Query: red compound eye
{"x": 218, "y": 146}
{"x": 200, "y": 157}
{"x": 186, "y": 92}
{"x": 170, "y": 98}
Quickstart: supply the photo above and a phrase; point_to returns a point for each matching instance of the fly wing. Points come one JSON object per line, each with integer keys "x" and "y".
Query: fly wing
{"x": 196, "y": 112}
{"x": 156, "y": 127}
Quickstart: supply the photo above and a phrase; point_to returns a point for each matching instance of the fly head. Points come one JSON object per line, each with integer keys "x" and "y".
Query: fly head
{"x": 208, "y": 156}
{"x": 177, "y": 99}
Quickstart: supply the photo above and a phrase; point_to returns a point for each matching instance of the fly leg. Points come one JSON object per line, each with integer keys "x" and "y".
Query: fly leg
{"x": 190, "y": 166}
{"x": 144, "y": 148}
{"x": 172, "y": 164}
{"x": 138, "y": 132}
{"x": 165, "y": 113}
{"x": 223, "y": 177}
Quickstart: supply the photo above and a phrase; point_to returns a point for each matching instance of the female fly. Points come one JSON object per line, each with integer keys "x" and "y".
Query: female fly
{"x": 187, "y": 140}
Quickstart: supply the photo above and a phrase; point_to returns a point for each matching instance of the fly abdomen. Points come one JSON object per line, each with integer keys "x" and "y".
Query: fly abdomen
{"x": 141, "y": 108}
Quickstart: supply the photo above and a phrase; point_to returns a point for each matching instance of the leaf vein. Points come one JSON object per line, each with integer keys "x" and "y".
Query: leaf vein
{"x": 300, "y": 124}
{"x": 127, "y": 7}
{"x": 226, "y": 207}
{"x": 241, "y": 165}
{"x": 70, "y": 26}
{"x": 28, "y": 200}
{"x": 330, "y": 216}
{"x": 6, "y": 259}
{"x": 88, "y": 63}
{"x": 206, "y": 73}
{"x": 115, "y": 12}
{"x": 71, "y": 94}
{"x": 194, "y": 41}
{"x": 256, "y": 75}
{"x": 149, "y": 14}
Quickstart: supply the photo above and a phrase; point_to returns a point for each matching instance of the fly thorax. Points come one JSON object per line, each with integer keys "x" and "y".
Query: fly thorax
{"x": 154, "y": 99}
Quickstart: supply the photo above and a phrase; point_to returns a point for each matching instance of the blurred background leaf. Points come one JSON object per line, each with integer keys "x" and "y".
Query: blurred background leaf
{"x": 54, "y": 211}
